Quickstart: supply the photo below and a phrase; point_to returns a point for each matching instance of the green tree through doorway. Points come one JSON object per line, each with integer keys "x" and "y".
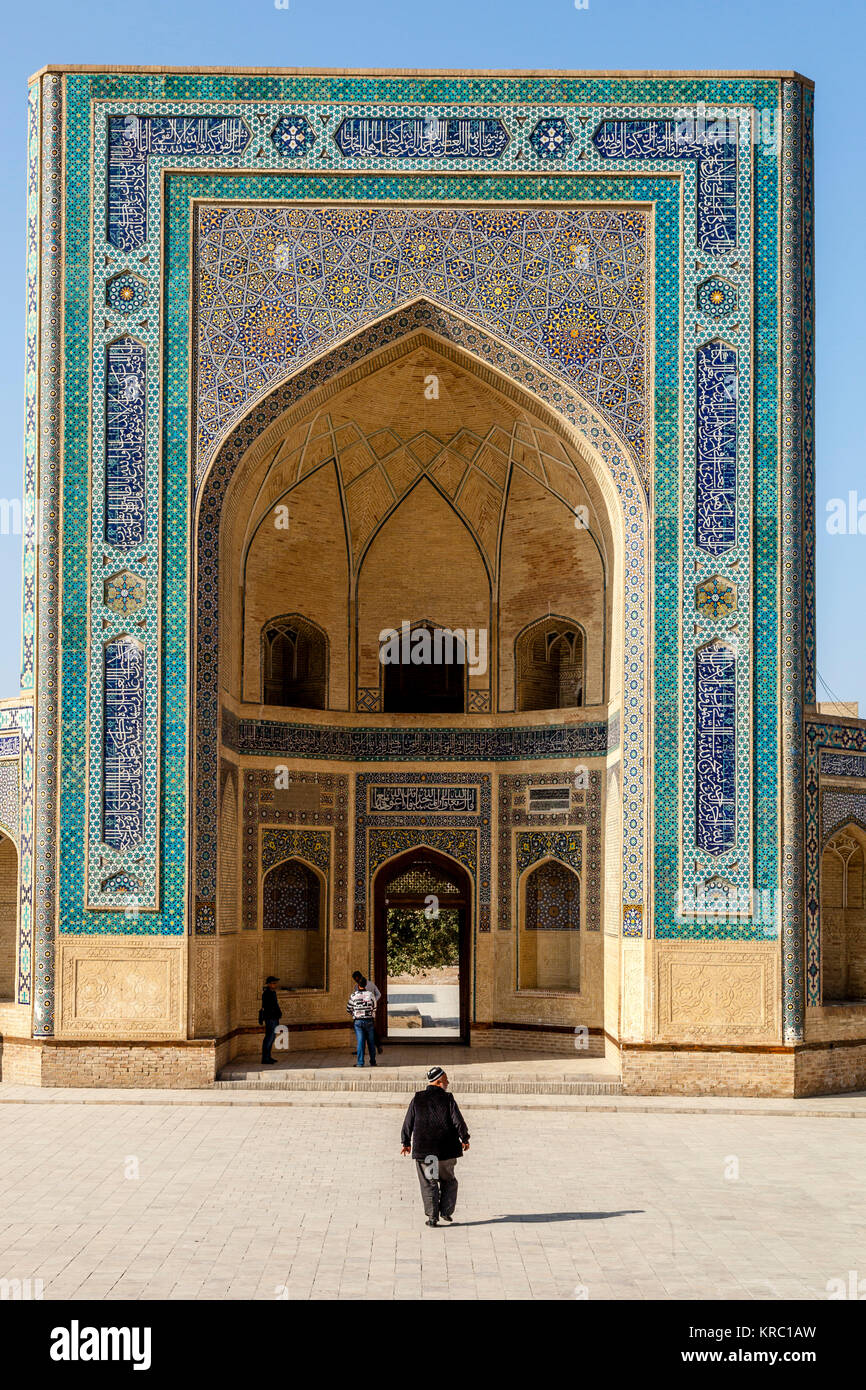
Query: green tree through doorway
{"x": 417, "y": 943}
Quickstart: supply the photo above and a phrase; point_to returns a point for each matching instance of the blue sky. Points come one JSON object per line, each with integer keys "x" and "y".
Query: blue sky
{"x": 825, "y": 41}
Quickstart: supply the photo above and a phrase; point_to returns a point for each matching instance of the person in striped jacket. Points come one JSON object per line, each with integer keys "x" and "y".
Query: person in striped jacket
{"x": 362, "y": 1007}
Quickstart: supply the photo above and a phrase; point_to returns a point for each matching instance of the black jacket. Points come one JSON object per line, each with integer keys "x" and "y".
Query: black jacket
{"x": 434, "y": 1125}
{"x": 270, "y": 1004}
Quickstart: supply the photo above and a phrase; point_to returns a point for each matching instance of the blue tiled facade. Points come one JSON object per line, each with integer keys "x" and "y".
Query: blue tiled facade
{"x": 491, "y": 184}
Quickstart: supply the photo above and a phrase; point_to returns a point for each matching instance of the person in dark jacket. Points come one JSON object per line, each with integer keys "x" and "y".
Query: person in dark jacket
{"x": 435, "y": 1134}
{"x": 269, "y": 1014}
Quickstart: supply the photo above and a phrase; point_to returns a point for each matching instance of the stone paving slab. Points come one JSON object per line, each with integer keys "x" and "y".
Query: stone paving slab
{"x": 196, "y": 1201}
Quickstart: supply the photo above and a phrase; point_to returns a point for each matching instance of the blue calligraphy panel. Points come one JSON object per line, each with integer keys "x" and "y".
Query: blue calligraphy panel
{"x": 715, "y": 704}
{"x": 123, "y": 769}
{"x": 837, "y": 764}
{"x": 260, "y": 737}
{"x": 132, "y": 139}
{"x": 125, "y": 440}
{"x": 708, "y": 143}
{"x": 421, "y": 137}
{"x": 716, "y": 434}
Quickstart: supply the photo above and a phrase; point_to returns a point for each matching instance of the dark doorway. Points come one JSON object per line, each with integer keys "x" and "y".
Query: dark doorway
{"x": 433, "y": 681}
{"x": 421, "y": 954}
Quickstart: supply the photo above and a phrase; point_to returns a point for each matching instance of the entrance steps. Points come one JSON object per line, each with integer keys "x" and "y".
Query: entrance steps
{"x": 401, "y": 1068}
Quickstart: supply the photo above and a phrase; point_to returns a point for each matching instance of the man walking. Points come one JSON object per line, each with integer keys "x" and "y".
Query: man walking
{"x": 377, "y": 995}
{"x": 362, "y": 1007}
{"x": 435, "y": 1134}
{"x": 269, "y": 1014}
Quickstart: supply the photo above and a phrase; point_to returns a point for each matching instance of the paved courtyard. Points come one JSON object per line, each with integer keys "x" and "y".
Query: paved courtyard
{"x": 311, "y": 1200}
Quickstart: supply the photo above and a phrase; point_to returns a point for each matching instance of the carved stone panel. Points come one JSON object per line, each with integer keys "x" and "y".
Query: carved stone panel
{"x": 716, "y": 993}
{"x": 121, "y": 989}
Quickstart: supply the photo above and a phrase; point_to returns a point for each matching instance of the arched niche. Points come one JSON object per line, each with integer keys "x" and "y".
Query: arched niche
{"x": 550, "y": 665}
{"x": 549, "y": 941}
{"x": 843, "y": 916}
{"x": 8, "y": 916}
{"x": 294, "y": 930}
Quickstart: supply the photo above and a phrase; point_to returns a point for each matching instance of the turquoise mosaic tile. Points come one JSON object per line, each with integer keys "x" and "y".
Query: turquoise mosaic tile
{"x": 165, "y": 618}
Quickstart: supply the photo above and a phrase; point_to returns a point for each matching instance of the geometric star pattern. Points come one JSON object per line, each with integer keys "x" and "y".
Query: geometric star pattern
{"x": 292, "y": 136}
{"x": 552, "y": 137}
{"x": 276, "y": 284}
{"x": 126, "y": 293}
{"x": 716, "y": 598}
{"x": 125, "y": 593}
{"x": 717, "y": 298}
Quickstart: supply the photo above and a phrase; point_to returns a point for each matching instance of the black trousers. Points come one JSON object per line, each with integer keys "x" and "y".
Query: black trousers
{"x": 439, "y": 1195}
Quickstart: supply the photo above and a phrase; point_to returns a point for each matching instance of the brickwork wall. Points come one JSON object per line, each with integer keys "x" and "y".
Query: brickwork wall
{"x": 303, "y": 569}
{"x": 20, "y": 1062}
{"x": 831, "y": 1070}
{"x": 522, "y": 1040}
{"x": 653, "y": 1072}
{"x": 160, "y": 1066}
{"x": 807, "y": 1072}
{"x": 548, "y": 565}
{"x": 422, "y": 564}
{"x": 167, "y": 1066}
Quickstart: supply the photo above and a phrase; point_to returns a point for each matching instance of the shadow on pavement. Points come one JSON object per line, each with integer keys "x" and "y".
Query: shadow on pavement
{"x": 553, "y": 1216}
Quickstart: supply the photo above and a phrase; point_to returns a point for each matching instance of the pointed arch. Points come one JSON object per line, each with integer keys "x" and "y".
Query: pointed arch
{"x": 448, "y": 870}
{"x": 555, "y": 676}
{"x": 610, "y": 473}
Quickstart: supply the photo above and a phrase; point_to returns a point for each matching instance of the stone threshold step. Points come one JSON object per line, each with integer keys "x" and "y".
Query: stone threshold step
{"x": 406, "y": 1086}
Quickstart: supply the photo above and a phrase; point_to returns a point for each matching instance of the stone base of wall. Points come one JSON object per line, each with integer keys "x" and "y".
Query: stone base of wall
{"x": 163, "y": 1066}
{"x": 706, "y": 1072}
{"x": 521, "y": 1039}
{"x": 20, "y": 1062}
{"x": 831, "y": 1069}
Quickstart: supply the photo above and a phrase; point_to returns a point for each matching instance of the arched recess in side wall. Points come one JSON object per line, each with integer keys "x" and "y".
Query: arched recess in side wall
{"x": 8, "y": 916}
{"x": 843, "y": 915}
{"x": 294, "y": 924}
{"x": 549, "y": 928}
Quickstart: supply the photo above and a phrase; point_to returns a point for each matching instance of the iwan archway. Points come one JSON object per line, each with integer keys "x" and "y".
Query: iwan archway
{"x": 570, "y": 268}
{"x": 410, "y": 484}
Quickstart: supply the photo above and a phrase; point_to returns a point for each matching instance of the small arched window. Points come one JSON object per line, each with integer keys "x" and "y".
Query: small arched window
{"x": 294, "y": 663}
{"x": 549, "y": 661}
